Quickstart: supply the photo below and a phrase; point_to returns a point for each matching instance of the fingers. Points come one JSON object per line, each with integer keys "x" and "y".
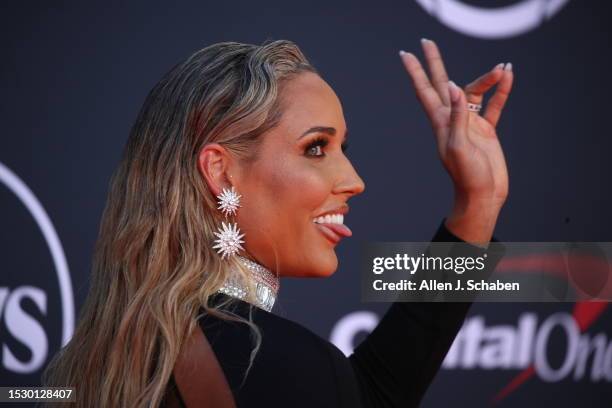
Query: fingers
{"x": 498, "y": 100}
{"x": 476, "y": 89}
{"x": 439, "y": 78}
{"x": 459, "y": 116}
{"x": 436, "y": 94}
{"x": 426, "y": 93}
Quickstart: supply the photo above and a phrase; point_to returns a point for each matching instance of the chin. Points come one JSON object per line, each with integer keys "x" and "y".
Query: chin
{"x": 325, "y": 265}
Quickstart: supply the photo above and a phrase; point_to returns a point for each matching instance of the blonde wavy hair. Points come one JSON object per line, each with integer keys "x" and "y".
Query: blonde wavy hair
{"x": 153, "y": 266}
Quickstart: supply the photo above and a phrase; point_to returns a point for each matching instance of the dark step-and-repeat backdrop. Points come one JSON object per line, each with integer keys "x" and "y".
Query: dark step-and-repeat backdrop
{"x": 73, "y": 76}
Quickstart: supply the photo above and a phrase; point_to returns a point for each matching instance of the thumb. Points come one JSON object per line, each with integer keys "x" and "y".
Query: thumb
{"x": 459, "y": 114}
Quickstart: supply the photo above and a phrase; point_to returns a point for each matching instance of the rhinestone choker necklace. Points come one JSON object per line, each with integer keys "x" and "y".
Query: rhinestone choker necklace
{"x": 266, "y": 286}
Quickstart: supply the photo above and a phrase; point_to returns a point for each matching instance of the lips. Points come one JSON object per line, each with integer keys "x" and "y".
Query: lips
{"x": 334, "y": 232}
{"x": 343, "y": 209}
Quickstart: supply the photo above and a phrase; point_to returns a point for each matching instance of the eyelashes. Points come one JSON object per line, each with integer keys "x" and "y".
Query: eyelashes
{"x": 315, "y": 148}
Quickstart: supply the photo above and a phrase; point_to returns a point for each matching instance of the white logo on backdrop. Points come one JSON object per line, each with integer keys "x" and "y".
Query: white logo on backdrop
{"x": 492, "y": 23}
{"x": 509, "y": 347}
{"x": 21, "y": 325}
{"x": 344, "y": 331}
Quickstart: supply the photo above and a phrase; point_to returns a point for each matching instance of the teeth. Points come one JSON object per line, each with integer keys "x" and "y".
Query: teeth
{"x": 330, "y": 219}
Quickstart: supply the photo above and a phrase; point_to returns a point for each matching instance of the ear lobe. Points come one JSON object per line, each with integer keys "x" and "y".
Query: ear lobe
{"x": 213, "y": 163}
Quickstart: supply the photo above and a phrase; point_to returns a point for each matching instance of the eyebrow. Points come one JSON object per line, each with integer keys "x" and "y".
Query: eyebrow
{"x": 322, "y": 129}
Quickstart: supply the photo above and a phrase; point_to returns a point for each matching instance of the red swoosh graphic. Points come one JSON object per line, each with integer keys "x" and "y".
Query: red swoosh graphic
{"x": 585, "y": 313}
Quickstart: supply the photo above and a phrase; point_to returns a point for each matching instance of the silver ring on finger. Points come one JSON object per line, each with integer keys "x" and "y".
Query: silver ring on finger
{"x": 474, "y": 107}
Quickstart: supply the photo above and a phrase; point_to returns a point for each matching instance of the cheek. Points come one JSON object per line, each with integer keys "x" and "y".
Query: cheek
{"x": 285, "y": 193}
{"x": 298, "y": 189}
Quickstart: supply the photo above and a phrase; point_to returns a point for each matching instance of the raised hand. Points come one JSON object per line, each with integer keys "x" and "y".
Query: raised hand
{"x": 467, "y": 142}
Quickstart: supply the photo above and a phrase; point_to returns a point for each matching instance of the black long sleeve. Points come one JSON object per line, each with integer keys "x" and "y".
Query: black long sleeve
{"x": 397, "y": 362}
{"x": 296, "y": 368}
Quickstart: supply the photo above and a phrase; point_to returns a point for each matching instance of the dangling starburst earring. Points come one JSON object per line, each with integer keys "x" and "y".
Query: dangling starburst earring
{"x": 229, "y": 201}
{"x": 229, "y": 236}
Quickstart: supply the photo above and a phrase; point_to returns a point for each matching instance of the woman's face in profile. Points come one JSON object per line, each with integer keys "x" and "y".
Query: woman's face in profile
{"x": 300, "y": 174}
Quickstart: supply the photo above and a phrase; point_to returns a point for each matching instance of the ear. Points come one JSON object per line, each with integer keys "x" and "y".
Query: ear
{"x": 214, "y": 163}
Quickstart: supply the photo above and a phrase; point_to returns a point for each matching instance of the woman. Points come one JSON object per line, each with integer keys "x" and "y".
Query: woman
{"x": 234, "y": 175}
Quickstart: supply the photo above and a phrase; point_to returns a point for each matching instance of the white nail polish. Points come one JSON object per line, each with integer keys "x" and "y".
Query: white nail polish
{"x": 424, "y": 40}
{"x": 508, "y": 67}
{"x": 499, "y": 66}
{"x": 402, "y": 52}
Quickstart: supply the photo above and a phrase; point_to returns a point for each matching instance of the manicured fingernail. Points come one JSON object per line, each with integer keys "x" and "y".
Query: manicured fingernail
{"x": 499, "y": 66}
{"x": 424, "y": 40}
{"x": 508, "y": 67}
{"x": 454, "y": 91}
{"x": 402, "y": 52}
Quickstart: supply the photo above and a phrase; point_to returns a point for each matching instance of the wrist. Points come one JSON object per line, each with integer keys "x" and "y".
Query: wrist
{"x": 474, "y": 220}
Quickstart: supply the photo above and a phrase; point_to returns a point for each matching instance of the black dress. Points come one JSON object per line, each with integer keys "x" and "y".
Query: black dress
{"x": 295, "y": 368}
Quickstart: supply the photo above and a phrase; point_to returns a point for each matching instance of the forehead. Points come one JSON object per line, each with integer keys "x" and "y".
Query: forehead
{"x": 307, "y": 101}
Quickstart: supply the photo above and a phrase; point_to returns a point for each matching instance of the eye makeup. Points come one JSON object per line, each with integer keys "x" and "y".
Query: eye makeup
{"x": 318, "y": 144}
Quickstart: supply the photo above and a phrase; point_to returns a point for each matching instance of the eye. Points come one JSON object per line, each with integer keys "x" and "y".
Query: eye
{"x": 315, "y": 148}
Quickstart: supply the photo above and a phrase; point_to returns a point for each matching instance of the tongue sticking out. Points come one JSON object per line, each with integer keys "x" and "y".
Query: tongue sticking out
{"x": 339, "y": 229}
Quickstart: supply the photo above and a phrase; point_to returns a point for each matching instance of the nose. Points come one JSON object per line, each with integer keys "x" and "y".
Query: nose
{"x": 349, "y": 181}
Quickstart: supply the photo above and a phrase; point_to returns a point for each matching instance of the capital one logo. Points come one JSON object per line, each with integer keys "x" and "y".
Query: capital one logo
{"x": 492, "y": 23}
{"x": 508, "y": 347}
{"x": 524, "y": 347}
{"x": 21, "y": 302}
